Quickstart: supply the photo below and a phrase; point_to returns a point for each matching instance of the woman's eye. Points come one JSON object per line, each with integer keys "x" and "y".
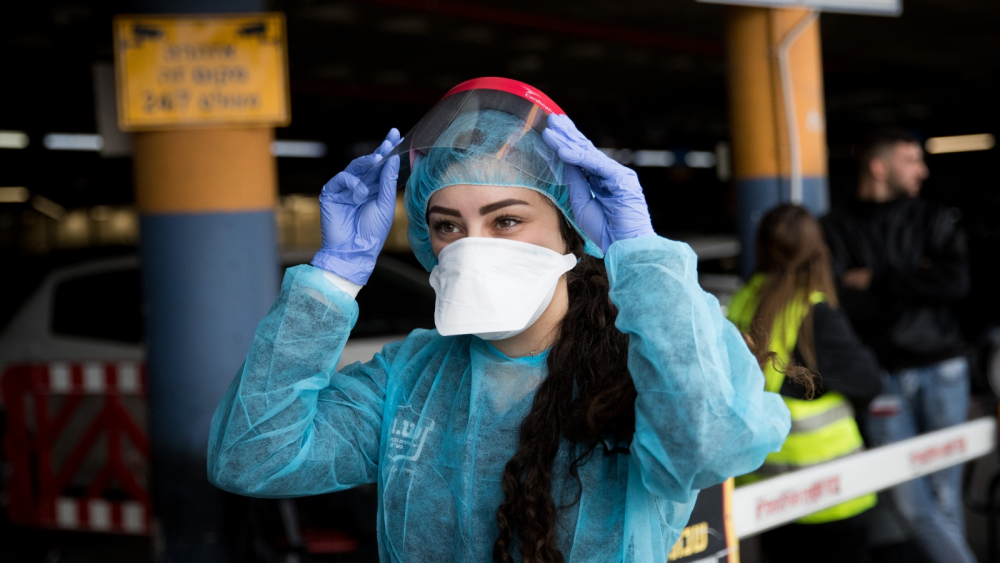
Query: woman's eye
{"x": 507, "y": 222}
{"x": 445, "y": 227}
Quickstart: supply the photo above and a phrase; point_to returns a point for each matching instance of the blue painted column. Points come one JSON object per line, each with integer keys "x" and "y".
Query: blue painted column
{"x": 756, "y": 196}
{"x": 210, "y": 273}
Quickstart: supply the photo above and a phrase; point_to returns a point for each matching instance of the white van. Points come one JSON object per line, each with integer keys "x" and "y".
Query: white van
{"x": 93, "y": 312}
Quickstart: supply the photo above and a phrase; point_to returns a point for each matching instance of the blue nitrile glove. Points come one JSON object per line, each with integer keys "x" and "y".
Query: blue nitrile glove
{"x": 606, "y": 196}
{"x": 355, "y": 217}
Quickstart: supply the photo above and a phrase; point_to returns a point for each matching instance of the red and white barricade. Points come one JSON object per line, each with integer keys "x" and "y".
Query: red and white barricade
{"x": 779, "y": 500}
{"x": 76, "y": 446}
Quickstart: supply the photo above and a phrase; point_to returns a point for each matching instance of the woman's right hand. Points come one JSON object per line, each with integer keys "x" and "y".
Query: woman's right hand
{"x": 356, "y": 215}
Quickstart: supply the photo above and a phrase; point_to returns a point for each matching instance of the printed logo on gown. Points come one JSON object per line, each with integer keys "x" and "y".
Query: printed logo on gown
{"x": 408, "y": 433}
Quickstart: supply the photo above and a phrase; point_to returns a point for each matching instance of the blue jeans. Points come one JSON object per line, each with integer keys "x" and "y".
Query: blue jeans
{"x": 915, "y": 401}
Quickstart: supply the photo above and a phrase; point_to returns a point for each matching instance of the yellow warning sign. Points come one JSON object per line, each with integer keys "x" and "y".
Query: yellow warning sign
{"x": 189, "y": 71}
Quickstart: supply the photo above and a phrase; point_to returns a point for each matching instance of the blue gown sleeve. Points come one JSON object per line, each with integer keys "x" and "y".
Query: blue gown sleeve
{"x": 290, "y": 424}
{"x": 702, "y": 414}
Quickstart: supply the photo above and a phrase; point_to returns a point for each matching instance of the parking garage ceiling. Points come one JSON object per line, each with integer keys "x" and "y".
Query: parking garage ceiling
{"x": 633, "y": 73}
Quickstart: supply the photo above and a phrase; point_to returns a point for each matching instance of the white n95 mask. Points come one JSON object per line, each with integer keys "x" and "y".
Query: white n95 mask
{"x": 494, "y": 288}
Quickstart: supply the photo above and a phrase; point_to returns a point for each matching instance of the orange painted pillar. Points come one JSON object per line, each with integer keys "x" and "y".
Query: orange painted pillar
{"x": 205, "y": 171}
{"x": 777, "y": 116}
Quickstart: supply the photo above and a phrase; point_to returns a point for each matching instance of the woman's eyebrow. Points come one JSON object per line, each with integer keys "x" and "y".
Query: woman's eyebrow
{"x": 500, "y": 205}
{"x": 444, "y": 211}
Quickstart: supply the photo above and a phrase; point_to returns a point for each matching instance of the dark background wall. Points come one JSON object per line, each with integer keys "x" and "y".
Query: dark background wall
{"x": 637, "y": 74}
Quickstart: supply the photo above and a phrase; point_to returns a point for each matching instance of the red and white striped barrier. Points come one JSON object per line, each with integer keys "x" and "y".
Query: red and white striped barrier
{"x": 771, "y": 503}
{"x": 35, "y": 488}
{"x": 88, "y": 421}
{"x": 100, "y": 515}
{"x": 92, "y": 378}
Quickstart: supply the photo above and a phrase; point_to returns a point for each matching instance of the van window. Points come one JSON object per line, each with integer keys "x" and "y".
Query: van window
{"x": 107, "y": 306}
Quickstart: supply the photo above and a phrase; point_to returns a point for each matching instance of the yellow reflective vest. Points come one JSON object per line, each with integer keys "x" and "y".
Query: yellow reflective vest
{"x": 823, "y": 429}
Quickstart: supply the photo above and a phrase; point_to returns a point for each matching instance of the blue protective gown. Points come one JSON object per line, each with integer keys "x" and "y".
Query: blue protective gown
{"x": 433, "y": 419}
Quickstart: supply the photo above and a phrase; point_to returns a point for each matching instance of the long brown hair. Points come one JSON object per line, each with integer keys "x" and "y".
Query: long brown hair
{"x": 588, "y": 396}
{"x": 792, "y": 254}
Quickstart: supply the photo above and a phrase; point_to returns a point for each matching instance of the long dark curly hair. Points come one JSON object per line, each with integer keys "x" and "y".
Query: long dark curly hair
{"x": 587, "y": 398}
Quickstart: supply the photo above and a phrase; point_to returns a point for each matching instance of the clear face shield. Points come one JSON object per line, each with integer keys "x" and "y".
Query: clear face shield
{"x": 484, "y": 131}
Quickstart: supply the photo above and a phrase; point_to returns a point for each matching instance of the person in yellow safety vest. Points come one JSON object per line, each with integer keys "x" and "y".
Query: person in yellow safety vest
{"x": 789, "y": 314}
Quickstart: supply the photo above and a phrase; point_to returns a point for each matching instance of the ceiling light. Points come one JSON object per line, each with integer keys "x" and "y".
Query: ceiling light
{"x": 723, "y": 164}
{"x": 621, "y": 156}
{"x": 960, "y": 143}
{"x": 298, "y": 149}
{"x": 100, "y": 213}
{"x": 14, "y": 194}
{"x": 654, "y": 158}
{"x": 48, "y": 207}
{"x": 73, "y": 142}
{"x": 700, "y": 159}
{"x": 13, "y": 139}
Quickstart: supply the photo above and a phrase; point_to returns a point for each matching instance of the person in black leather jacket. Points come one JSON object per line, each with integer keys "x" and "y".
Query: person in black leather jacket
{"x": 901, "y": 265}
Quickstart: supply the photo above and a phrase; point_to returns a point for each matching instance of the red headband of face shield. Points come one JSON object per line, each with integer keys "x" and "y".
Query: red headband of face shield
{"x": 509, "y": 86}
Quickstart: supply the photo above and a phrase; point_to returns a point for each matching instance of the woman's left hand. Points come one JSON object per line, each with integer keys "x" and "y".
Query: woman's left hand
{"x": 607, "y": 199}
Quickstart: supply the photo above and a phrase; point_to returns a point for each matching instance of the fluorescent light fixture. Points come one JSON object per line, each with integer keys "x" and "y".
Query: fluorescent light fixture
{"x": 48, "y": 207}
{"x": 699, "y": 159}
{"x": 662, "y": 159}
{"x": 723, "y": 163}
{"x": 640, "y": 158}
{"x": 14, "y": 194}
{"x": 960, "y": 143}
{"x": 73, "y": 142}
{"x": 100, "y": 213}
{"x": 298, "y": 149}
{"x": 654, "y": 158}
{"x": 622, "y": 156}
{"x": 13, "y": 139}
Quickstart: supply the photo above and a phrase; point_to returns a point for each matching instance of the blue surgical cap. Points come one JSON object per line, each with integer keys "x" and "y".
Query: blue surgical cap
{"x": 484, "y": 148}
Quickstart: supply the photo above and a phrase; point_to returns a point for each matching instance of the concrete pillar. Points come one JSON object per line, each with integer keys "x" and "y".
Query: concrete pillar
{"x": 210, "y": 273}
{"x": 209, "y": 260}
{"x": 777, "y": 115}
